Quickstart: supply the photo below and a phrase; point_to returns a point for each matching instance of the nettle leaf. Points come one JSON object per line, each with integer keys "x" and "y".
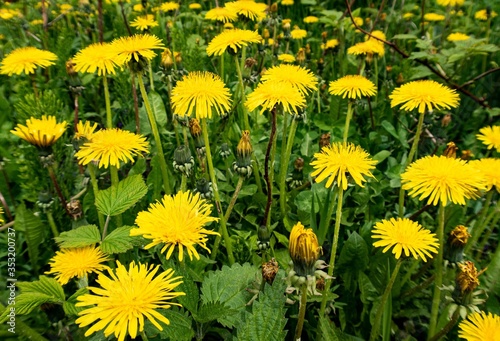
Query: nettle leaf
{"x": 69, "y": 305}
{"x": 228, "y": 286}
{"x": 211, "y": 312}
{"x": 79, "y": 237}
{"x": 33, "y": 229}
{"x": 189, "y": 287}
{"x": 179, "y": 328}
{"x": 117, "y": 199}
{"x": 118, "y": 241}
{"x": 267, "y": 319}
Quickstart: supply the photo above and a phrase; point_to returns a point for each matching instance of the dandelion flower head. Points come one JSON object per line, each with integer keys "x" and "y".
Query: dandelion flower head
{"x": 490, "y": 168}
{"x": 304, "y": 249}
{"x": 337, "y": 161}
{"x": 451, "y": 3}
{"x": 98, "y": 57}
{"x": 311, "y": 19}
{"x": 330, "y": 44}
{"x": 85, "y": 130}
{"x": 194, "y": 6}
{"x": 234, "y": 39}
{"x": 177, "y": 222}
{"x": 352, "y": 86}
{"x": 42, "y": 132}
{"x": 480, "y": 326}
{"x": 490, "y": 136}
{"x": 144, "y": 22}
{"x": 298, "y": 33}
{"x": 26, "y": 59}
{"x": 136, "y": 47}
{"x": 442, "y": 179}
{"x": 424, "y": 94}
{"x": 286, "y": 58}
{"x": 483, "y": 14}
{"x": 169, "y": 6}
{"x": 76, "y": 262}
{"x": 271, "y": 93}
{"x": 303, "y": 79}
{"x": 434, "y": 17}
{"x": 368, "y": 47}
{"x": 457, "y": 36}
{"x": 222, "y": 14}
{"x": 248, "y": 9}
{"x": 405, "y": 236}
{"x": 126, "y": 298}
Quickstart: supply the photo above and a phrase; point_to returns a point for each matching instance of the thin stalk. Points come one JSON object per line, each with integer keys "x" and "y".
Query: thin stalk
{"x": 451, "y": 323}
{"x": 479, "y": 225}
{"x": 243, "y": 96}
{"x": 151, "y": 82}
{"x": 234, "y": 198}
{"x": 156, "y": 135}
{"x": 105, "y": 230}
{"x": 323, "y": 225}
{"x": 495, "y": 215}
{"x": 388, "y": 289}
{"x": 113, "y": 171}
{"x": 52, "y": 224}
{"x": 183, "y": 182}
{"x": 302, "y": 311}
{"x": 267, "y": 176}
{"x": 347, "y": 120}
{"x": 336, "y": 231}
{"x": 33, "y": 83}
{"x": 222, "y": 221}
{"x": 413, "y": 151}
{"x": 375, "y": 62}
{"x": 222, "y": 67}
{"x": 136, "y": 105}
{"x": 95, "y": 187}
{"x": 285, "y": 158}
{"x": 109, "y": 118}
{"x": 58, "y": 189}
{"x": 438, "y": 282}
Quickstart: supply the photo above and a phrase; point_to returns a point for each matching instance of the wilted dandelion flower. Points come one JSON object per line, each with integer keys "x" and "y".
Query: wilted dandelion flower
{"x": 485, "y": 14}
{"x": 232, "y": 39}
{"x": 110, "y": 146}
{"x": 434, "y": 17}
{"x": 136, "y": 47}
{"x": 169, "y": 6}
{"x": 442, "y": 179}
{"x": 221, "y": 14}
{"x": 177, "y": 222}
{"x": 298, "y": 33}
{"x": 311, "y": 19}
{"x": 352, "y": 86}
{"x": 248, "y": 9}
{"x": 98, "y": 57}
{"x": 337, "y": 161}
{"x": 85, "y": 130}
{"x": 271, "y": 93}
{"x": 303, "y": 79}
{"x": 76, "y": 262}
{"x": 26, "y": 59}
{"x": 450, "y": 2}
{"x": 457, "y": 37}
{"x": 286, "y": 58}
{"x": 126, "y": 298}
{"x": 490, "y": 168}
{"x": 406, "y": 236}
{"x": 480, "y": 327}
{"x": 144, "y": 23}
{"x": 201, "y": 92}
{"x": 42, "y": 132}
{"x": 490, "y": 136}
{"x": 425, "y": 94}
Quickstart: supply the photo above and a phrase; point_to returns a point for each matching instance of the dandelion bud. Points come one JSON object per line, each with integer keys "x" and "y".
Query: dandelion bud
{"x": 265, "y": 34}
{"x": 204, "y": 187}
{"x": 183, "y": 161}
{"x": 454, "y": 249}
{"x": 250, "y": 62}
{"x": 263, "y": 237}
{"x": 167, "y": 60}
{"x": 324, "y": 35}
{"x": 466, "y": 154}
{"x": 224, "y": 151}
{"x": 286, "y": 25}
{"x": 400, "y": 79}
{"x": 243, "y": 163}
{"x": 297, "y": 177}
{"x": 178, "y": 57}
{"x": 44, "y": 201}
{"x": 324, "y": 140}
{"x": 70, "y": 68}
{"x": 269, "y": 270}
{"x": 308, "y": 49}
{"x": 274, "y": 7}
{"x": 388, "y": 68}
{"x": 451, "y": 150}
{"x": 304, "y": 250}
{"x": 301, "y": 55}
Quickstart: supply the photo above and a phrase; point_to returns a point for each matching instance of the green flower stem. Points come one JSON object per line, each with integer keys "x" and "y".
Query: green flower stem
{"x": 106, "y": 225}
{"x": 143, "y": 336}
{"x": 151, "y": 81}
{"x": 222, "y": 221}
{"x": 336, "y": 231}
{"x": 388, "y": 289}
{"x": 109, "y": 118}
{"x": 52, "y": 224}
{"x": 324, "y": 223}
{"x": 156, "y": 135}
{"x": 95, "y": 187}
{"x": 33, "y": 83}
{"x": 234, "y": 198}
{"x": 413, "y": 151}
{"x": 375, "y": 63}
{"x": 495, "y": 215}
{"x": 446, "y": 329}
{"x": 438, "y": 282}
{"x": 347, "y": 120}
{"x": 183, "y": 182}
{"x": 285, "y": 158}
{"x": 222, "y": 67}
{"x": 113, "y": 171}
{"x": 495, "y": 258}
{"x": 243, "y": 96}
{"x": 479, "y": 225}
{"x": 302, "y": 312}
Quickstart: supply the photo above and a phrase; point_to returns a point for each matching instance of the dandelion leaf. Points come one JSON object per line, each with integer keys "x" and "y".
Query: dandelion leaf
{"x": 119, "y": 198}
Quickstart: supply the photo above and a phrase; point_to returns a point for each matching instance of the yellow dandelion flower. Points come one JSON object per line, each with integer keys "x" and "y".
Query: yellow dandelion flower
{"x": 234, "y": 39}
{"x": 450, "y": 2}
{"x": 457, "y": 37}
{"x": 489, "y": 167}
{"x": 42, "y": 132}
{"x": 480, "y": 327}
{"x": 377, "y": 34}
{"x": 330, "y": 44}
{"x": 144, "y": 23}
{"x": 368, "y": 47}
{"x": 304, "y": 249}
{"x": 169, "y": 6}
{"x": 425, "y": 94}
{"x": 311, "y": 19}
{"x": 298, "y": 33}
{"x": 352, "y": 86}
{"x": 485, "y": 14}
{"x": 201, "y": 92}
{"x": 1, "y": 216}
{"x": 221, "y": 14}
{"x": 126, "y": 298}
{"x": 434, "y": 17}
{"x": 405, "y": 235}
{"x": 286, "y": 58}
{"x": 138, "y": 8}
{"x": 442, "y": 179}
{"x": 36, "y": 22}
{"x": 26, "y": 59}
{"x": 357, "y": 20}
{"x": 65, "y": 8}
{"x": 287, "y": 2}
{"x": 176, "y": 221}
{"x": 269, "y": 94}
{"x": 490, "y": 136}
{"x": 7, "y": 13}
{"x": 303, "y": 79}
{"x": 76, "y": 262}
{"x": 85, "y": 130}
{"x": 408, "y": 15}
{"x": 340, "y": 160}
{"x": 228, "y": 26}
{"x": 248, "y": 9}
{"x": 194, "y": 6}
{"x": 110, "y": 146}
{"x": 98, "y": 57}
{"x": 137, "y": 46}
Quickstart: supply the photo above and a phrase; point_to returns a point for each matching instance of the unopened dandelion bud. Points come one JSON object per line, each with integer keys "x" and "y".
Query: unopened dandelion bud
{"x": 70, "y": 68}
{"x": 183, "y": 161}
{"x": 324, "y": 140}
{"x": 265, "y": 34}
{"x": 451, "y": 150}
{"x": 304, "y": 250}
{"x": 224, "y": 151}
{"x": 178, "y": 57}
{"x": 167, "y": 60}
{"x": 243, "y": 163}
{"x": 274, "y": 7}
{"x": 44, "y": 201}
{"x": 454, "y": 248}
{"x": 204, "y": 187}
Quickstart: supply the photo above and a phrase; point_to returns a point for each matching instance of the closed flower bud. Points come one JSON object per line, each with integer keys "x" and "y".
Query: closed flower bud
{"x": 451, "y": 150}
{"x": 167, "y": 60}
{"x": 70, "y": 68}
{"x": 204, "y": 187}
{"x": 454, "y": 248}
{"x": 446, "y": 120}
{"x": 183, "y": 161}
{"x": 304, "y": 250}
{"x": 224, "y": 151}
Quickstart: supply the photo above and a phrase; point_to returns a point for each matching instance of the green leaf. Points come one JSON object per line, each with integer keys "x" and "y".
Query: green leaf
{"x": 228, "y": 286}
{"x": 381, "y": 156}
{"x": 189, "y": 287}
{"x": 33, "y": 229}
{"x": 118, "y": 241}
{"x": 158, "y": 109}
{"x": 80, "y": 237}
{"x": 117, "y": 199}
{"x": 405, "y": 36}
{"x": 179, "y": 328}
{"x": 326, "y": 330}
{"x": 211, "y": 312}
{"x": 69, "y": 304}
{"x": 354, "y": 254}
{"x": 308, "y": 145}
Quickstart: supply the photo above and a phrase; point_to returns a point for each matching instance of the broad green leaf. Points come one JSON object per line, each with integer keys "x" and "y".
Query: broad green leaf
{"x": 33, "y": 229}
{"x": 80, "y": 237}
{"x": 211, "y": 312}
{"x": 354, "y": 253}
{"x": 382, "y": 155}
{"x": 248, "y": 190}
{"x": 69, "y": 304}
{"x": 309, "y": 144}
{"x": 118, "y": 241}
{"x": 119, "y": 198}
{"x": 179, "y": 329}
{"x": 189, "y": 287}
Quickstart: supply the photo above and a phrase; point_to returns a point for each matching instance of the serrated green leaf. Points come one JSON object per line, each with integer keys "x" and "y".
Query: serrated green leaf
{"x": 69, "y": 304}
{"x": 189, "y": 287}
{"x": 117, "y": 199}
{"x": 33, "y": 229}
{"x": 211, "y": 312}
{"x": 80, "y": 237}
{"x": 179, "y": 329}
{"x": 118, "y": 241}
{"x": 326, "y": 330}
